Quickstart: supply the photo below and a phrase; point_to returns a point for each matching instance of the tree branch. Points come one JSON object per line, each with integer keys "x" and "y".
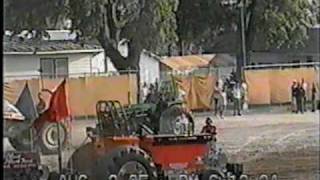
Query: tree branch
{"x": 117, "y": 22}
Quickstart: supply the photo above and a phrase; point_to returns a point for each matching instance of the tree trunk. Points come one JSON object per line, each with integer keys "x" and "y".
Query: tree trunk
{"x": 181, "y": 48}
{"x": 250, "y": 29}
{"x": 135, "y": 50}
{"x": 116, "y": 58}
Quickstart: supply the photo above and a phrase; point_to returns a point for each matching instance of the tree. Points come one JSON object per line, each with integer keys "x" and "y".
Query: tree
{"x": 143, "y": 23}
{"x": 278, "y": 22}
{"x": 33, "y": 15}
{"x": 146, "y": 24}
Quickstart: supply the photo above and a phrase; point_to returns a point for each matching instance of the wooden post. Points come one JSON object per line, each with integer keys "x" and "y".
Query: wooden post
{"x": 31, "y": 139}
{"x": 59, "y": 149}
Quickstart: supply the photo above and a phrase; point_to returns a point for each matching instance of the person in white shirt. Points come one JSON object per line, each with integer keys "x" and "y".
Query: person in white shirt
{"x": 181, "y": 125}
{"x": 304, "y": 98}
{"x": 144, "y": 92}
{"x": 222, "y": 102}
{"x": 244, "y": 93}
{"x": 237, "y": 100}
{"x": 216, "y": 96}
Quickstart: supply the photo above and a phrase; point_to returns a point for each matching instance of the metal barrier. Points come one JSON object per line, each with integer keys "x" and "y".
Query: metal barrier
{"x": 283, "y": 65}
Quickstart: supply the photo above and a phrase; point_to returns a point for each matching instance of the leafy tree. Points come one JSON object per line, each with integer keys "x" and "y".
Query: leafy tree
{"x": 143, "y": 23}
{"x": 277, "y": 22}
{"x": 146, "y": 24}
{"x": 33, "y": 15}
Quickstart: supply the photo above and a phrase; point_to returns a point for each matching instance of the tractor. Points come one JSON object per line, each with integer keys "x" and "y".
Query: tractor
{"x": 130, "y": 145}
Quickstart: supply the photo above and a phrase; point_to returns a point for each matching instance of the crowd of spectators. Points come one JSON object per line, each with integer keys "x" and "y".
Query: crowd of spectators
{"x": 299, "y": 96}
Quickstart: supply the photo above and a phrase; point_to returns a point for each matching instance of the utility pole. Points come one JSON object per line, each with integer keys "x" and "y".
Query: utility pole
{"x": 243, "y": 38}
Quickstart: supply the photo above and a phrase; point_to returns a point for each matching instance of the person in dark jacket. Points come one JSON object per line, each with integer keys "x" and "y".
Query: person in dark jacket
{"x": 209, "y": 128}
{"x": 300, "y": 96}
{"x": 313, "y": 97}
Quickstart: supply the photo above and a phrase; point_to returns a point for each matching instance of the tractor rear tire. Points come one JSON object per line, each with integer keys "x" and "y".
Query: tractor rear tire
{"x": 168, "y": 119}
{"x": 47, "y": 140}
{"x": 114, "y": 164}
{"x": 211, "y": 174}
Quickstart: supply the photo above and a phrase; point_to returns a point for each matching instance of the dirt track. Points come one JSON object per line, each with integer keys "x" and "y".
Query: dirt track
{"x": 286, "y": 144}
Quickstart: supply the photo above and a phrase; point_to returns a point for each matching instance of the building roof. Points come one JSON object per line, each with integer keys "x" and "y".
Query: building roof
{"x": 187, "y": 62}
{"x": 16, "y": 46}
{"x": 223, "y": 60}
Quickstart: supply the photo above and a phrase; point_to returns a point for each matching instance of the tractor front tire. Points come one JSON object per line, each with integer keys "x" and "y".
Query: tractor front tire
{"x": 126, "y": 163}
{"x": 21, "y": 142}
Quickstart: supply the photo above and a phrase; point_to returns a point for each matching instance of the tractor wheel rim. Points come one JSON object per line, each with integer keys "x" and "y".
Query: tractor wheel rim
{"x": 131, "y": 168}
{"x": 51, "y": 136}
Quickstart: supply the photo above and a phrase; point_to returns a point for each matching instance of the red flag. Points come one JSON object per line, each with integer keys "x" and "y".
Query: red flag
{"x": 58, "y": 109}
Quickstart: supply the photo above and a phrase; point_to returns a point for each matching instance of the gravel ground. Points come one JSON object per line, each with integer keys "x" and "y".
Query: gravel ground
{"x": 268, "y": 142}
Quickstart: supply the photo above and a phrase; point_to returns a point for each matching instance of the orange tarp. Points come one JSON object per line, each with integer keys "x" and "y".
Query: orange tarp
{"x": 198, "y": 90}
{"x": 83, "y": 93}
{"x": 259, "y": 90}
{"x": 273, "y": 86}
{"x": 187, "y": 62}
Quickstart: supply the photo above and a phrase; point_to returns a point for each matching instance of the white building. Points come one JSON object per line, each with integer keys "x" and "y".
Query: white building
{"x": 149, "y": 64}
{"x": 24, "y": 59}
{"x": 149, "y": 67}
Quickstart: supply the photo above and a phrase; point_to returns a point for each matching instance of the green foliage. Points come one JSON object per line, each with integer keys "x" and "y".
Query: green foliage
{"x": 285, "y": 22}
{"x": 165, "y": 19}
{"x": 144, "y": 23}
{"x": 278, "y": 22}
{"x": 149, "y": 24}
{"x": 32, "y": 14}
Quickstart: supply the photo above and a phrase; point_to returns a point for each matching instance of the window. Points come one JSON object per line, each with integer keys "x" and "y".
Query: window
{"x": 54, "y": 67}
{"x": 309, "y": 59}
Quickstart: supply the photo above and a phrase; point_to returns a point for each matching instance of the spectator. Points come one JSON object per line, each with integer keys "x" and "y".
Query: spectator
{"x": 144, "y": 92}
{"x": 244, "y": 89}
{"x": 216, "y": 95}
{"x": 300, "y": 96}
{"x": 304, "y": 98}
{"x": 313, "y": 97}
{"x": 237, "y": 100}
{"x": 294, "y": 96}
{"x": 233, "y": 76}
{"x": 209, "y": 128}
{"x": 184, "y": 124}
{"x": 156, "y": 84}
{"x": 152, "y": 95}
{"x": 222, "y": 102}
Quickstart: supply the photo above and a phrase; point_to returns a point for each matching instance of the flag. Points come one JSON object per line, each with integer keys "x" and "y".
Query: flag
{"x": 58, "y": 110}
{"x": 26, "y": 105}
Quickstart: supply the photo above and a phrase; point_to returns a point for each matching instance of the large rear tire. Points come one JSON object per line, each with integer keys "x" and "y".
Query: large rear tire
{"x": 168, "y": 119}
{"x": 125, "y": 162}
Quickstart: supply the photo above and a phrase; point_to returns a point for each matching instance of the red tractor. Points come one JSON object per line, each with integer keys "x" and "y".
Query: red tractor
{"x": 122, "y": 148}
